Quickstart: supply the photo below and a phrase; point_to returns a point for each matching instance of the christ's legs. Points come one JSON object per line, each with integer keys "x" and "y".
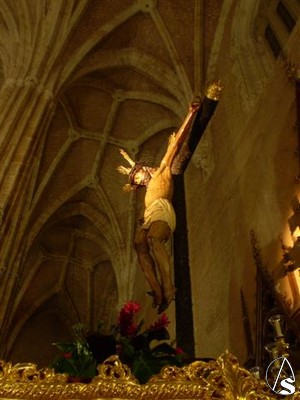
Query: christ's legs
{"x": 158, "y": 233}
{"x": 148, "y": 265}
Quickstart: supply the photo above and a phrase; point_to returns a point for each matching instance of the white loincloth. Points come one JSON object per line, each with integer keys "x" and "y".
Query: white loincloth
{"x": 160, "y": 210}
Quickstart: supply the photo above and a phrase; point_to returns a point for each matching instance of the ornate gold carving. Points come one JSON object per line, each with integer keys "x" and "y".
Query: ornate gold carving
{"x": 222, "y": 379}
{"x": 219, "y": 379}
{"x": 27, "y": 372}
{"x": 113, "y": 369}
{"x": 214, "y": 90}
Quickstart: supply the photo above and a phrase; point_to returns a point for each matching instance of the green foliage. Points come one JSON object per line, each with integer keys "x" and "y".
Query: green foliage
{"x": 144, "y": 360}
{"x": 135, "y": 348}
{"x": 75, "y": 359}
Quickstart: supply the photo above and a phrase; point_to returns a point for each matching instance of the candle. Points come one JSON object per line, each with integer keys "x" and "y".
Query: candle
{"x": 275, "y": 321}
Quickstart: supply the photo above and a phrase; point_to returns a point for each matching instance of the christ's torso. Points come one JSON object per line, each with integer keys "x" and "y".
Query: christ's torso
{"x": 160, "y": 186}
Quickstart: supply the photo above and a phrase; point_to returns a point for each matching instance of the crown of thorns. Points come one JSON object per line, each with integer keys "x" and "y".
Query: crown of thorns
{"x": 130, "y": 171}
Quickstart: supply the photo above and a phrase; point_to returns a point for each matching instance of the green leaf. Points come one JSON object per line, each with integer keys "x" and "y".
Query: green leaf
{"x": 81, "y": 364}
{"x": 158, "y": 334}
{"x": 65, "y": 347}
{"x": 164, "y": 348}
{"x": 142, "y": 369}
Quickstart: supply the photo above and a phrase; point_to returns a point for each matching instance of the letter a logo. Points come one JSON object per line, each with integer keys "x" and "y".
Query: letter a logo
{"x": 284, "y": 386}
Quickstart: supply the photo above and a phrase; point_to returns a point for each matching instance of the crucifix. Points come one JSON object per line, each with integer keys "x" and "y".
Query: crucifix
{"x": 159, "y": 217}
{"x": 184, "y": 307}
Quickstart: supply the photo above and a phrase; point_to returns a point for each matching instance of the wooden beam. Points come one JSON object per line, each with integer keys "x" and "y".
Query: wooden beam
{"x": 182, "y": 278}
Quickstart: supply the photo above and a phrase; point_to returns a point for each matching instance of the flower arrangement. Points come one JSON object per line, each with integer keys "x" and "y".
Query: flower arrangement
{"x": 76, "y": 358}
{"x": 134, "y": 347}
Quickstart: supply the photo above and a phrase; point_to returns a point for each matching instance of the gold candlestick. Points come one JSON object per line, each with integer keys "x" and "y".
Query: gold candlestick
{"x": 273, "y": 350}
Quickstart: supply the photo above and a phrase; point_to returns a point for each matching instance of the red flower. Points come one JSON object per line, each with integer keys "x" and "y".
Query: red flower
{"x": 67, "y": 355}
{"x": 131, "y": 307}
{"x": 179, "y": 350}
{"x": 125, "y": 324}
{"x": 162, "y": 322}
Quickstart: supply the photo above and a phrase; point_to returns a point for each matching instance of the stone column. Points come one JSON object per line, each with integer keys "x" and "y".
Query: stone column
{"x": 35, "y": 39}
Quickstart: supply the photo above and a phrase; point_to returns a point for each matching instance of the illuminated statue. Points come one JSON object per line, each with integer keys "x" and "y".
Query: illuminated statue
{"x": 159, "y": 217}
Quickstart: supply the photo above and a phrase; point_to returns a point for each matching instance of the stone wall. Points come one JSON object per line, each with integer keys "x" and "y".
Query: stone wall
{"x": 246, "y": 183}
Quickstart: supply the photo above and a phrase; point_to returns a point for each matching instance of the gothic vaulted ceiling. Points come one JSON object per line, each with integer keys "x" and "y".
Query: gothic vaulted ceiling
{"x": 125, "y": 72}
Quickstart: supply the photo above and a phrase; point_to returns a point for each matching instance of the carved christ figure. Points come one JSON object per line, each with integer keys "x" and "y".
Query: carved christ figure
{"x": 159, "y": 219}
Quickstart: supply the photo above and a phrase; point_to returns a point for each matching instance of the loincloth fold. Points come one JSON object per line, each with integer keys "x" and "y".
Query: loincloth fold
{"x": 160, "y": 210}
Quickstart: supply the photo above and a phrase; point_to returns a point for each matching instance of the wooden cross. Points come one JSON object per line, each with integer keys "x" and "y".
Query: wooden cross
{"x": 184, "y": 311}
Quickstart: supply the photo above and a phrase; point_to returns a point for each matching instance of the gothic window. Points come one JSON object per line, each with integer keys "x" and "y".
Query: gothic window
{"x": 280, "y": 18}
{"x": 272, "y": 41}
{"x": 285, "y": 16}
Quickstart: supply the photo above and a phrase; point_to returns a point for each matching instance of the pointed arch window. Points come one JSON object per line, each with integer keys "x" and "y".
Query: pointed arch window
{"x": 280, "y": 19}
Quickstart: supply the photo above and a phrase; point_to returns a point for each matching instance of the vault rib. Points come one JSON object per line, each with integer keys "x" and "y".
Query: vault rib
{"x": 95, "y": 38}
{"x": 137, "y": 60}
{"x": 164, "y": 33}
